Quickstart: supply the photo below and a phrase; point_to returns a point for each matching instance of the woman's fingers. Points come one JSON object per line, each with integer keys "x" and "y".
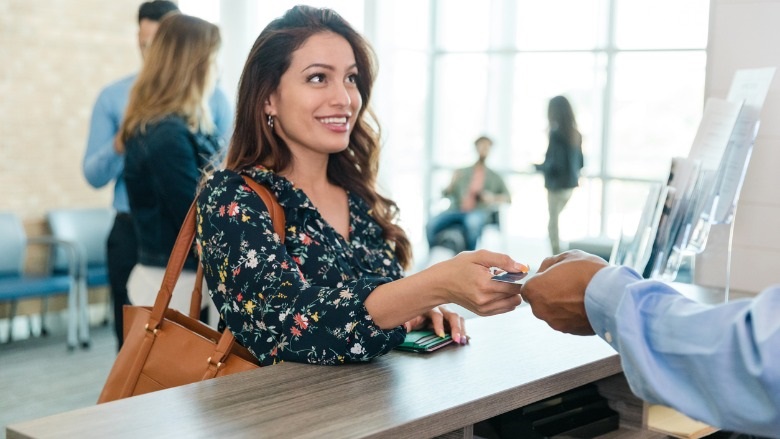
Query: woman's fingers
{"x": 489, "y": 259}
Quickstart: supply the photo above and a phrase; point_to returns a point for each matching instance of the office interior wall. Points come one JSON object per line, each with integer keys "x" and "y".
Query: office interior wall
{"x": 744, "y": 34}
{"x": 56, "y": 56}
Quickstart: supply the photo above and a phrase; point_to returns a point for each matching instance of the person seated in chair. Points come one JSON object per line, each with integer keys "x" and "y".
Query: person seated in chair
{"x": 475, "y": 194}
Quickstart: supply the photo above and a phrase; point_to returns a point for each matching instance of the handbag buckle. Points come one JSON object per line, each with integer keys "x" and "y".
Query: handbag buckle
{"x": 153, "y": 331}
{"x": 217, "y": 365}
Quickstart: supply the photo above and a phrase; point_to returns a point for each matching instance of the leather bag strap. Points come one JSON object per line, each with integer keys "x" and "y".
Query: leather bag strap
{"x": 274, "y": 208}
{"x": 277, "y": 218}
{"x": 182, "y": 248}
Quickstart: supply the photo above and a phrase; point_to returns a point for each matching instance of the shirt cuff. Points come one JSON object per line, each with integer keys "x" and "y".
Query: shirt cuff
{"x": 603, "y": 296}
{"x": 362, "y": 288}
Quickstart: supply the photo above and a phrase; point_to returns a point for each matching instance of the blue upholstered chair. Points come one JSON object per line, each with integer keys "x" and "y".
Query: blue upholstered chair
{"x": 87, "y": 229}
{"x": 16, "y": 285}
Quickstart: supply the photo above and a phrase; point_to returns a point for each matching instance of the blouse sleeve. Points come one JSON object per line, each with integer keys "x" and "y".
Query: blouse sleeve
{"x": 262, "y": 295}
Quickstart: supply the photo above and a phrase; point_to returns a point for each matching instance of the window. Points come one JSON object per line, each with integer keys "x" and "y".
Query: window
{"x": 637, "y": 94}
{"x": 450, "y": 70}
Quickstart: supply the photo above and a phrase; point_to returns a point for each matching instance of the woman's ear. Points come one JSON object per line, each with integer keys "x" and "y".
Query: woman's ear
{"x": 268, "y": 107}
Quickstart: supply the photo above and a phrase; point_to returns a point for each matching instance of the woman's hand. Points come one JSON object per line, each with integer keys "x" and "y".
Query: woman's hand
{"x": 440, "y": 319}
{"x": 466, "y": 280}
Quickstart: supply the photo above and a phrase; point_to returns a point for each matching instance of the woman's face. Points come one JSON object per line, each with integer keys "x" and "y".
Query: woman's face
{"x": 317, "y": 102}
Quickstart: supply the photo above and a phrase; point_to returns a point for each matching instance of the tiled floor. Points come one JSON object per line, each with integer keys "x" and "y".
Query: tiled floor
{"x": 40, "y": 377}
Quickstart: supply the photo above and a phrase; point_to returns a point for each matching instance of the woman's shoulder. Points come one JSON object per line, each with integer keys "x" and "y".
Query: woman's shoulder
{"x": 227, "y": 178}
{"x": 168, "y": 122}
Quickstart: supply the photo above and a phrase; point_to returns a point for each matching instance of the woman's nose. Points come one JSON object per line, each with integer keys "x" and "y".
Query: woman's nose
{"x": 341, "y": 95}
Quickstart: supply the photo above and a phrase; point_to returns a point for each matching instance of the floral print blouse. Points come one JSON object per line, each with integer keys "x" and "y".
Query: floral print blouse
{"x": 302, "y": 300}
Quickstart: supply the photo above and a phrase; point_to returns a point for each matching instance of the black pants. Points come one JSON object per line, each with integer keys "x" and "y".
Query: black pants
{"x": 122, "y": 257}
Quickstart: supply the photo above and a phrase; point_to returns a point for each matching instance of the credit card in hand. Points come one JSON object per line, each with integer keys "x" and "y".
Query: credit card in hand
{"x": 512, "y": 278}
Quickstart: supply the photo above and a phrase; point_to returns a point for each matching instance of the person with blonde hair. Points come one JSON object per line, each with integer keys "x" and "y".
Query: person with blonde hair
{"x": 103, "y": 164}
{"x": 333, "y": 290}
{"x": 169, "y": 138}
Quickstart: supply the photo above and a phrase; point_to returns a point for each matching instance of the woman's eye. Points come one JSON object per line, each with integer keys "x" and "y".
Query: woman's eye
{"x": 317, "y": 78}
{"x": 352, "y": 79}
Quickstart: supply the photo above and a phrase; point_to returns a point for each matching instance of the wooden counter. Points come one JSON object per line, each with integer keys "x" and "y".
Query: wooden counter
{"x": 512, "y": 360}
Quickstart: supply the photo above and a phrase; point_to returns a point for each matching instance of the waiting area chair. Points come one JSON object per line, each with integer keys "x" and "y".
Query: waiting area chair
{"x": 87, "y": 229}
{"x": 454, "y": 237}
{"x": 16, "y": 285}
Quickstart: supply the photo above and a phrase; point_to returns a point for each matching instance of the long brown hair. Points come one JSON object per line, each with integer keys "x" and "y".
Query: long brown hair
{"x": 254, "y": 142}
{"x": 561, "y": 117}
{"x": 174, "y": 76}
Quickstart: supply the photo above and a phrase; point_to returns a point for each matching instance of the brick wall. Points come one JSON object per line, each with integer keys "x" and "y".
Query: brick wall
{"x": 55, "y": 56}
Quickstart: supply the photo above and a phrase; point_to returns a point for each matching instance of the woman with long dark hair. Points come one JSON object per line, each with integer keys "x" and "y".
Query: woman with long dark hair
{"x": 335, "y": 290}
{"x": 562, "y": 163}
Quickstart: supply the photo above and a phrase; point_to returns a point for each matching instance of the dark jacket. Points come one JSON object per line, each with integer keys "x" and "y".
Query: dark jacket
{"x": 162, "y": 171}
{"x": 562, "y": 163}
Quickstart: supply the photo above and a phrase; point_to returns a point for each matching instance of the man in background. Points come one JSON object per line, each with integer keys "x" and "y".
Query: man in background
{"x": 102, "y": 163}
{"x": 475, "y": 193}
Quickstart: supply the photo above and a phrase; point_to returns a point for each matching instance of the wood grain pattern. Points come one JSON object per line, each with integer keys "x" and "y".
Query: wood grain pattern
{"x": 512, "y": 360}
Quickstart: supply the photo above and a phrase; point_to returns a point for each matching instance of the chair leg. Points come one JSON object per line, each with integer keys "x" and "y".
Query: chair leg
{"x": 44, "y": 311}
{"x": 109, "y": 309}
{"x": 11, "y": 317}
{"x": 73, "y": 315}
{"x": 84, "y": 313}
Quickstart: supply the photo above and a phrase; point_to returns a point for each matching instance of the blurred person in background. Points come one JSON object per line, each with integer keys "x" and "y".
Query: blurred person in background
{"x": 169, "y": 139}
{"x": 562, "y": 164}
{"x": 103, "y": 163}
{"x": 475, "y": 193}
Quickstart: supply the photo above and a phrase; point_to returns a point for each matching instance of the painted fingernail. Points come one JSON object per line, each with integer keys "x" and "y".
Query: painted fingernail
{"x": 456, "y": 338}
{"x": 522, "y": 267}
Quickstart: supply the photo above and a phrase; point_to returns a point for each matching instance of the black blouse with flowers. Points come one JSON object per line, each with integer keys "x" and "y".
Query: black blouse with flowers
{"x": 303, "y": 300}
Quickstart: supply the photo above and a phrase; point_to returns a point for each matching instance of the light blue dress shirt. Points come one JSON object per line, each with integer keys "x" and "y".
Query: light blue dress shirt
{"x": 101, "y": 163}
{"x": 719, "y": 364}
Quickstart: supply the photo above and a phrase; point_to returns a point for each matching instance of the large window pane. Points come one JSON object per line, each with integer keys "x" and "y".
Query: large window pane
{"x": 404, "y": 24}
{"x": 561, "y": 24}
{"x": 661, "y": 24}
{"x": 657, "y": 105}
{"x": 463, "y": 25}
{"x": 460, "y": 105}
{"x": 402, "y": 89}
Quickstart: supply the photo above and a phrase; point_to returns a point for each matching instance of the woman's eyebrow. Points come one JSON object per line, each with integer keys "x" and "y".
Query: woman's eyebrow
{"x": 325, "y": 66}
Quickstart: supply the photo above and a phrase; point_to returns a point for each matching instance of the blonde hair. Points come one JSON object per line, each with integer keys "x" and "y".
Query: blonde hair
{"x": 174, "y": 76}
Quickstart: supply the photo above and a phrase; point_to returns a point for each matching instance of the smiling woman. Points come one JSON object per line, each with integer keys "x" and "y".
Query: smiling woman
{"x": 333, "y": 290}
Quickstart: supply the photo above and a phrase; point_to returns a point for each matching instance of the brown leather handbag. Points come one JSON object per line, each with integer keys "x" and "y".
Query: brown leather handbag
{"x": 164, "y": 348}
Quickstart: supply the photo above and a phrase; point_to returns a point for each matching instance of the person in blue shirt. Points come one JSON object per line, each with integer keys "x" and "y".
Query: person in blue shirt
{"x": 102, "y": 163}
{"x": 719, "y": 364}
